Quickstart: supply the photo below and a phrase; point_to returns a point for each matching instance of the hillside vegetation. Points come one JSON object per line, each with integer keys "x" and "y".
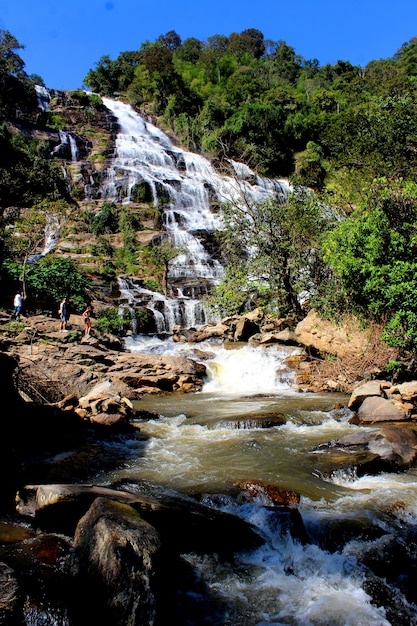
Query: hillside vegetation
{"x": 347, "y": 134}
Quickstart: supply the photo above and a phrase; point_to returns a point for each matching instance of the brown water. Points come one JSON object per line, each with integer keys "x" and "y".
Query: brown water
{"x": 193, "y": 447}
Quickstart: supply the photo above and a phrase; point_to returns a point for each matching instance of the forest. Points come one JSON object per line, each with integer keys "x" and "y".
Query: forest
{"x": 344, "y": 136}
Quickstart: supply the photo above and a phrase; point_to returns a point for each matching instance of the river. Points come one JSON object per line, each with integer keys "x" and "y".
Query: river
{"x": 354, "y": 525}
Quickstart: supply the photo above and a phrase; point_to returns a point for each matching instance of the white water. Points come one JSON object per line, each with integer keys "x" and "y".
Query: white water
{"x": 184, "y": 187}
{"x": 67, "y": 139}
{"x": 193, "y": 447}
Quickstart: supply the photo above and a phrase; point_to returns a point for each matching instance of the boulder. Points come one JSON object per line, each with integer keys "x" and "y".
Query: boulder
{"x": 114, "y": 554}
{"x": 371, "y": 388}
{"x": 208, "y": 332}
{"x": 377, "y": 409}
{"x": 406, "y": 391}
{"x": 103, "y": 405}
{"x": 245, "y": 328}
{"x": 327, "y": 338}
{"x": 389, "y": 448}
{"x": 142, "y": 372}
{"x": 268, "y": 420}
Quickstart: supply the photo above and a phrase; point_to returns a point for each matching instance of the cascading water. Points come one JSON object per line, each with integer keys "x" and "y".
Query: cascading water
{"x": 184, "y": 186}
{"x": 194, "y": 445}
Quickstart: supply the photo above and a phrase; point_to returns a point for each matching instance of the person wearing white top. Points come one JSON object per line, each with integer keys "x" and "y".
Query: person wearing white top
{"x": 17, "y": 304}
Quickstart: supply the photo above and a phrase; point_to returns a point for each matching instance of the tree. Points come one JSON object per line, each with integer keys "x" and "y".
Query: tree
{"x": 52, "y": 278}
{"x": 25, "y": 241}
{"x": 10, "y": 62}
{"x": 309, "y": 167}
{"x": 373, "y": 257}
{"x": 162, "y": 255}
{"x": 273, "y": 247}
{"x": 170, "y": 40}
{"x": 16, "y": 90}
{"x": 190, "y": 50}
{"x": 250, "y": 41}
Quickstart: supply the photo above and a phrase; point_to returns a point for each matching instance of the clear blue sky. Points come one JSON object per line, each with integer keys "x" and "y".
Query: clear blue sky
{"x": 64, "y": 39}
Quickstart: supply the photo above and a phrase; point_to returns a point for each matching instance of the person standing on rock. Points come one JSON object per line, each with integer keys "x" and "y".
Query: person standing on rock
{"x": 87, "y": 320}
{"x": 64, "y": 315}
{"x": 17, "y": 304}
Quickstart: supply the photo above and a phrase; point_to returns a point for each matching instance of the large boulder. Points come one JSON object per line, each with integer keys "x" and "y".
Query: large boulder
{"x": 376, "y": 409}
{"x": 105, "y": 406}
{"x": 115, "y": 551}
{"x": 209, "y": 332}
{"x": 245, "y": 328}
{"x": 371, "y": 451}
{"x": 360, "y": 393}
{"x": 327, "y": 338}
{"x": 150, "y": 373}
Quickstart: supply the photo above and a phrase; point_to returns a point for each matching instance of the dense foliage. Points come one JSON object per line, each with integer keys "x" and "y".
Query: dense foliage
{"x": 374, "y": 257}
{"x": 48, "y": 281}
{"x": 260, "y": 102}
{"x": 346, "y": 133}
{"x": 27, "y": 173}
{"x": 272, "y": 253}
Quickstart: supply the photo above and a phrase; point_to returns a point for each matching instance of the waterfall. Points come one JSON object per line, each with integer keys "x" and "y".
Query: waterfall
{"x": 186, "y": 188}
{"x": 53, "y": 229}
{"x": 43, "y": 96}
{"x": 67, "y": 146}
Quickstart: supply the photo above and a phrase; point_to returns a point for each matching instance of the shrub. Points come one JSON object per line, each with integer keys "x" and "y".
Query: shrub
{"x": 111, "y": 320}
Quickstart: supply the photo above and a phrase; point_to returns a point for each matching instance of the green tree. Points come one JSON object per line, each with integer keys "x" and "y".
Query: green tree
{"x": 310, "y": 169}
{"x": 52, "y": 278}
{"x": 373, "y": 257}
{"x": 274, "y": 247}
{"x": 162, "y": 255}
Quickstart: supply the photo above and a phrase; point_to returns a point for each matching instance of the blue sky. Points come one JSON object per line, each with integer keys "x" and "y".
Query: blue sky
{"x": 64, "y": 39}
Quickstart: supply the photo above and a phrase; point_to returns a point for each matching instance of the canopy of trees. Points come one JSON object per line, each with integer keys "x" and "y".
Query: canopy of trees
{"x": 258, "y": 101}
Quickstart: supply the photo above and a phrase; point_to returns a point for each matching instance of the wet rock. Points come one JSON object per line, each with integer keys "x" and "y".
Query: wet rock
{"x": 273, "y": 494}
{"x": 255, "y": 421}
{"x": 115, "y": 551}
{"x": 189, "y": 526}
{"x": 284, "y": 503}
{"x": 9, "y": 594}
{"x": 384, "y": 449}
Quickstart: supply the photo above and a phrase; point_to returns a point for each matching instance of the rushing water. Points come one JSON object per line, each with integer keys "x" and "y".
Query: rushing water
{"x": 193, "y": 447}
{"x": 187, "y": 189}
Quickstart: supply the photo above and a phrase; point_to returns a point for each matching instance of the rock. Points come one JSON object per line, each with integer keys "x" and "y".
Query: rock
{"x": 160, "y": 373}
{"x": 115, "y": 551}
{"x": 245, "y": 328}
{"x": 208, "y": 332}
{"x": 256, "y": 316}
{"x": 372, "y": 388}
{"x": 327, "y": 338}
{"x": 273, "y": 493}
{"x": 407, "y": 391}
{"x": 288, "y": 337}
{"x": 285, "y": 503}
{"x": 9, "y": 596}
{"x": 103, "y": 405}
{"x": 377, "y": 409}
{"x": 388, "y": 448}
{"x": 256, "y": 421}
{"x": 189, "y": 526}
{"x": 285, "y": 336}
